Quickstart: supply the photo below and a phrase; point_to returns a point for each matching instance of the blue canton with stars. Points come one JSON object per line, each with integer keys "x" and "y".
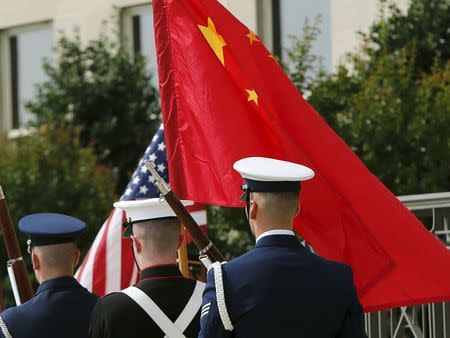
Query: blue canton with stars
{"x": 141, "y": 183}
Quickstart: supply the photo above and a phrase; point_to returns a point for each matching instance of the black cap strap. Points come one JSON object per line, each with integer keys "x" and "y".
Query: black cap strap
{"x": 41, "y": 241}
{"x": 276, "y": 186}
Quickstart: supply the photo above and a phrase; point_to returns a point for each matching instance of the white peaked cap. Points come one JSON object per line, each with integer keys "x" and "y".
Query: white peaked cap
{"x": 271, "y": 170}
{"x": 146, "y": 209}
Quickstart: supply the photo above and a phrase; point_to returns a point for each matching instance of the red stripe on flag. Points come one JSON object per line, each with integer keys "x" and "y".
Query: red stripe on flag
{"x": 196, "y": 207}
{"x": 99, "y": 271}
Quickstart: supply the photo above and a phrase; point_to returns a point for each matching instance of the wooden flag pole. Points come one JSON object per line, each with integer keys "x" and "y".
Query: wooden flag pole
{"x": 13, "y": 251}
{"x": 2, "y": 303}
{"x": 183, "y": 258}
{"x": 208, "y": 251}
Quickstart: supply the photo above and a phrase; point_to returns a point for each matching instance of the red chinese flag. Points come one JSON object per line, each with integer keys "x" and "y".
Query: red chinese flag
{"x": 224, "y": 97}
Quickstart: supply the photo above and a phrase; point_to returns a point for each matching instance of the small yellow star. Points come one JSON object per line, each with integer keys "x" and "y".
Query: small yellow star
{"x": 252, "y": 37}
{"x": 252, "y": 96}
{"x": 215, "y": 40}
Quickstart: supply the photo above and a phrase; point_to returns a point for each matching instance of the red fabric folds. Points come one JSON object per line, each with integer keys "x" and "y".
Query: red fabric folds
{"x": 224, "y": 97}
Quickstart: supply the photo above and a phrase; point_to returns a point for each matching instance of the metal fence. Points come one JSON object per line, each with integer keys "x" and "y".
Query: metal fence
{"x": 422, "y": 321}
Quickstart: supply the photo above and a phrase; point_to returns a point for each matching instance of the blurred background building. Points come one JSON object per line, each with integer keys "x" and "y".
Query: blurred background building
{"x": 28, "y": 30}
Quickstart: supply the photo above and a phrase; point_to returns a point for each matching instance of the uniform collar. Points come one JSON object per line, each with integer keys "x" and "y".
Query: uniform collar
{"x": 163, "y": 270}
{"x": 275, "y": 232}
{"x": 278, "y": 241}
{"x": 59, "y": 282}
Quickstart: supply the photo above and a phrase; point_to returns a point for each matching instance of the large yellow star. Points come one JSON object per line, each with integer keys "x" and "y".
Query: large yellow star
{"x": 252, "y": 37}
{"x": 252, "y": 96}
{"x": 215, "y": 40}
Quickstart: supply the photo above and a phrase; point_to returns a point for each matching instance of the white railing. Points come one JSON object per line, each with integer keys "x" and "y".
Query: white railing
{"x": 422, "y": 321}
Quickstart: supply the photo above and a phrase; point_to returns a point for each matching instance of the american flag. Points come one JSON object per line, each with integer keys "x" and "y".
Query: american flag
{"x": 108, "y": 266}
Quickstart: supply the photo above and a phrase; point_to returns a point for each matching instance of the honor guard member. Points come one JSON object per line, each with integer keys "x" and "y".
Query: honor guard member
{"x": 163, "y": 303}
{"x": 61, "y": 306}
{"x": 279, "y": 288}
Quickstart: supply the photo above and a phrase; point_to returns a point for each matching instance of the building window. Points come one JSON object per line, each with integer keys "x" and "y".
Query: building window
{"x": 138, "y": 34}
{"x": 24, "y": 49}
{"x": 289, "y": 17}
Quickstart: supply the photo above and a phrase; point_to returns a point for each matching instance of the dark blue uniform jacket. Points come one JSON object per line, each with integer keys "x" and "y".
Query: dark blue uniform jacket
{"x": 280, "y": 289}
{"x": 61, "y": 308}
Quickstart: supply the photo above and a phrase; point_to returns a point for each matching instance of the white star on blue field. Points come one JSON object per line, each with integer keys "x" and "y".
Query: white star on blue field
{"x": 141, "y": 183}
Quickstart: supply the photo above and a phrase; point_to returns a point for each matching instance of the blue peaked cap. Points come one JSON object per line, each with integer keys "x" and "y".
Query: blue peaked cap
{"x": 49, "y": 228}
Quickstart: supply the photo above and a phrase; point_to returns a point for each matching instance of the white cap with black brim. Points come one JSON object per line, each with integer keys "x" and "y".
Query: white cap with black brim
{"x": 138, "y": 211}
{"x": 263, "y": 174}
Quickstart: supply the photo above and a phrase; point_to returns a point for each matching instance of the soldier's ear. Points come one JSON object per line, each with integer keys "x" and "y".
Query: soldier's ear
{"x": 35, "y": 261}
{"x": 137, "y": 244}
{"x": 76, "y": 257}
{"x": 254, "y": 207}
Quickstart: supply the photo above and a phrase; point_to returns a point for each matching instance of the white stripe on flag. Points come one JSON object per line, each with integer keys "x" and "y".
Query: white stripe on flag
{"x": 199, "y": 216}
{"x": 114, "y": 253}
{"x": 87, "y": 277}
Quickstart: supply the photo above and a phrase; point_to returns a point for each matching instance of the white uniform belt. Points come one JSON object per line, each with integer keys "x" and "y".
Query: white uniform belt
{"x": 172, "y": 330}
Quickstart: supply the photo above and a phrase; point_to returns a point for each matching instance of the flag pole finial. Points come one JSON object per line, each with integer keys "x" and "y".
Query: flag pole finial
{"x": 162, "y": 185}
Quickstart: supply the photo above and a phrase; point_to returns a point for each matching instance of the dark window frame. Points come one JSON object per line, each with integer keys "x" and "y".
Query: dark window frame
{"x": 276, "y": 28}
{"x": 136, "y": 22}
{"x": 14, "y": 77}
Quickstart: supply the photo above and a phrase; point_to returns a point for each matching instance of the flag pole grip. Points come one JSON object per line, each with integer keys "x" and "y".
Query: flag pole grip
{"x": 203, "y": 243}
{"x": 13, "y": 250}
{"x": 206, "y": 247}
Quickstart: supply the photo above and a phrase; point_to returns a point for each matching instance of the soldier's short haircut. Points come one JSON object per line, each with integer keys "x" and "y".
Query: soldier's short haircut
{"x": 57, "y": 256}
{"x": 160, "y": 235}
{"x": 278, "y": 204}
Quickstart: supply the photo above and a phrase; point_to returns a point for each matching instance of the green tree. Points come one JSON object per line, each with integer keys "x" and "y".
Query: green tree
{"x": 424, "y": 28}
{"x": 388, "y": 100}
{"x": 101, "y": 88}
{"x": 303, "y": 66}
{"x": 229, "y": 230}
{"x": 50, "y": 171}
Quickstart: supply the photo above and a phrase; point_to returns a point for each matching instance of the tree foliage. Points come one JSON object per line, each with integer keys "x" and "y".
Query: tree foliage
{"x": 229, "y": 230}
{"x": 423, "y": 30}
{"x": 389, "y": 101}
{"x": 51, "y": 171}
{"x": 101, "y": 88}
